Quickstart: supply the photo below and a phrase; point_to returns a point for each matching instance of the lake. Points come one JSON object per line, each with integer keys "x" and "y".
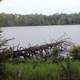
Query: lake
{"x": 36, "y": 35}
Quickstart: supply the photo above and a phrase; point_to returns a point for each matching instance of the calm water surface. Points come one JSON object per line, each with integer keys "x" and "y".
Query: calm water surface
{"x": 36, "y": 35}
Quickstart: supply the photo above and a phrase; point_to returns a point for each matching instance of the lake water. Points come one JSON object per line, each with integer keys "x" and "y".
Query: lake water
{"x": 36, "y": 35}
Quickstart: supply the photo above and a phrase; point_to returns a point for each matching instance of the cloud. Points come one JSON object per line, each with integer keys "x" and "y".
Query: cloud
{"x": 40, "y": 6}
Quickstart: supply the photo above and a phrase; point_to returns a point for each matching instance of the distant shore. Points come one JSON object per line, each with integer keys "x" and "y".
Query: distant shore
{"x": 38, "y": 19}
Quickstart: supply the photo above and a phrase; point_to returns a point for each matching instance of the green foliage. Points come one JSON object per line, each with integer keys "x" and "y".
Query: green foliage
{"x": 2, "y": 71}
{"x": 30, "y": 71}
{"x": 34, "y": 20}
{"x": 69, "y": 71}
{"x": 75, "y": 52}
{"x": 55, "y": 54}
{"x": 43, "y": 71}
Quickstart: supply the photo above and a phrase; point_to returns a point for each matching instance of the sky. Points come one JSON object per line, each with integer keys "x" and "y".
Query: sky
{"x": 46, "y": 7}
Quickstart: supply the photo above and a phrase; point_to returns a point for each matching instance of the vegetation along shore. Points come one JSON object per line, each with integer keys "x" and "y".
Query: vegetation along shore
{"x": 38, "y": 19}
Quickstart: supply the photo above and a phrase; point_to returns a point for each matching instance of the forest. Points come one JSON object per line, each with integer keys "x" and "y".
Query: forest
{"x": 38, "y": 19}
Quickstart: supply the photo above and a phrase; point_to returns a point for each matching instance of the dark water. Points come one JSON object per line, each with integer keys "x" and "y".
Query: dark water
{"x": 33, "y": 35}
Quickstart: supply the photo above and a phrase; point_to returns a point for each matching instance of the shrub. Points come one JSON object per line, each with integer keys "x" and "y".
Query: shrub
{"x": 69, "y": 71}
{"x": 2, "y": 71}
{"x": 75, "y": 52}
{"x": 55, "y": 55}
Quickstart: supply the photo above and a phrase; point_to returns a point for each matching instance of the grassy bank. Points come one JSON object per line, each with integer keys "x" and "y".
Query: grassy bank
{"x": 32, "y": 71}
{"x": 41, "y": 71}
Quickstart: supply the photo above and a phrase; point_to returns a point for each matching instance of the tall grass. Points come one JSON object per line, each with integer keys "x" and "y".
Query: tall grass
{"x": 32, "y": 71}
{"x": 69, "y": 71}
{"x": 38, "y": 71}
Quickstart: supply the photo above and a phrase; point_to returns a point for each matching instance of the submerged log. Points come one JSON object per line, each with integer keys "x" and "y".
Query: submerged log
{"x": 39, "y": 49}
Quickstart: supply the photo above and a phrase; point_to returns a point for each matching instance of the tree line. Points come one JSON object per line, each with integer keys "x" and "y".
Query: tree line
{"x": 38, "y": 19}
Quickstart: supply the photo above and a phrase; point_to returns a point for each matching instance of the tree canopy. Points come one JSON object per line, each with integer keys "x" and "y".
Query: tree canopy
{"x": 38, "y": 19}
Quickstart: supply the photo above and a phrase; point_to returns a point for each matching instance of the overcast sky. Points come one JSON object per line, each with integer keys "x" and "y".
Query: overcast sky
{"x": 47, "y": 7}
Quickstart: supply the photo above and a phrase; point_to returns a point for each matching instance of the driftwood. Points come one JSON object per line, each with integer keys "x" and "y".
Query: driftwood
{"x": 40, "y": 50}
{"x": 37, "y": 51}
